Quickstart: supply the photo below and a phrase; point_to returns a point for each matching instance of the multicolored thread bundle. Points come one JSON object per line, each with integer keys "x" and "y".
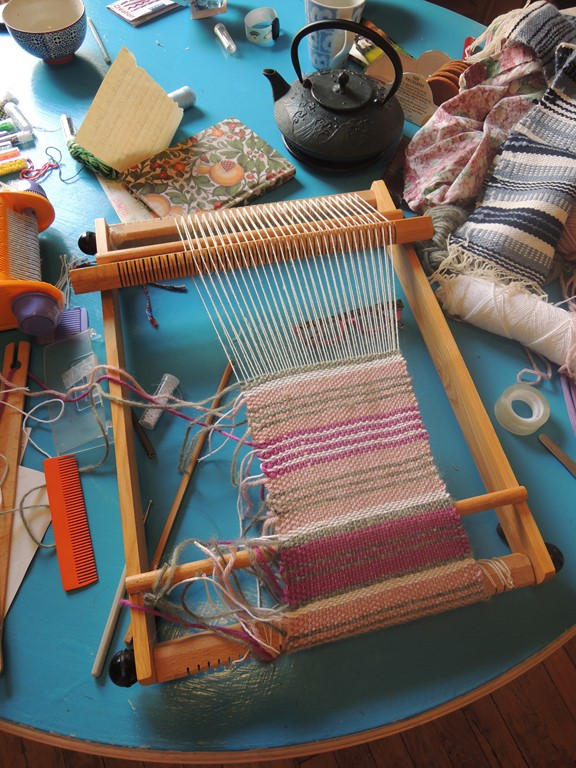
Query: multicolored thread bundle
{"x": 364, "y": 528}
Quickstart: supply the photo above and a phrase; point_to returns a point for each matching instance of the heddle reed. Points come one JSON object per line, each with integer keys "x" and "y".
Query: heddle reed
{"x": 277, "y": 239}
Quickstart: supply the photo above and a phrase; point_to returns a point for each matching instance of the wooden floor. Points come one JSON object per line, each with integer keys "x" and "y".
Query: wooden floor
{"x": 530, "y": 723}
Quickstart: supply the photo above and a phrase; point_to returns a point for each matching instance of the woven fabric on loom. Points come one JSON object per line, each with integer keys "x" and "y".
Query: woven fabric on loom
{"x": 367, "y": 534}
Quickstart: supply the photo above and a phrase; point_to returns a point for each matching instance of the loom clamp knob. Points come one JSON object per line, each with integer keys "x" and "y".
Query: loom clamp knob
{"x": 122, "y": 669}
{"x": 556, "y": 554}
{"x": 87, "y": 243}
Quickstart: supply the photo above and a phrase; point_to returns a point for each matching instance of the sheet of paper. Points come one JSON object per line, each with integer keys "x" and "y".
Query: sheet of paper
{"x": 131, "y": 117}
{"x": 124, "y": 203}
{"x": 23, "y": 548}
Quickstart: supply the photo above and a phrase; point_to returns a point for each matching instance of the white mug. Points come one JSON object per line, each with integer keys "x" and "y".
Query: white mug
{"x": 329, "y": 47}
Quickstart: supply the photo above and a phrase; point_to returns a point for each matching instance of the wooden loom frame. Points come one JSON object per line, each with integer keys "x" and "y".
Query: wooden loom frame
{"x": 132, "y": 254}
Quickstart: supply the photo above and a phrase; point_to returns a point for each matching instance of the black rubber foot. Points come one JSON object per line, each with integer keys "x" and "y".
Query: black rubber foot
{"x": 87, "y": 243}
{"x": 555, "y": 553}
{"x": 122, "y": 669}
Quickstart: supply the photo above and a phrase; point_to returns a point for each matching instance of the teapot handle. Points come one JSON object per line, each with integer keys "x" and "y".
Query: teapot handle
{"x": 349, "y": 26}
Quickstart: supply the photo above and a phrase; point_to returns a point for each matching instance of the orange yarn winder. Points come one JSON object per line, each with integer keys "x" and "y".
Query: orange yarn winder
{"x": 26, "y": 301}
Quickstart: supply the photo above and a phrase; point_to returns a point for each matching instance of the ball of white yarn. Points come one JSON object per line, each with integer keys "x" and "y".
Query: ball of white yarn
{"x": 513, "y": 313}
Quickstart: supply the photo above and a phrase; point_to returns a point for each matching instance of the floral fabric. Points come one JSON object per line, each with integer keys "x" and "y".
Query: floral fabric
{"x": 449, "y": 157}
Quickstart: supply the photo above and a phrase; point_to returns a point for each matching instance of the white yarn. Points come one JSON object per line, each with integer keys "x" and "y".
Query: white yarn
{"x": 513, "y": 313}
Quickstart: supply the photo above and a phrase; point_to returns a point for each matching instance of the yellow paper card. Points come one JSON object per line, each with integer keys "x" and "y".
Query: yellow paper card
{"x": 131, "y": 117}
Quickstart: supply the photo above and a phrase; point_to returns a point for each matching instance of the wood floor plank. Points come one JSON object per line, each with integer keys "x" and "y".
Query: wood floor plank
{"x": 38, "y": 754}
{"x": 355, "y": 757}
{"x": 81, "y": 760}
{"x": 425, "y": 747}
{"x": 570, "y": 649}
{"x": 12, "y": 754}
{"x": 391, "y": 752}
{"x": 493, "y": 735}
{"x": 562, "y": 670}
{"x": 459, "y": 741}
{"x": 325, "y": 760}
{"x": 538, "y": 719}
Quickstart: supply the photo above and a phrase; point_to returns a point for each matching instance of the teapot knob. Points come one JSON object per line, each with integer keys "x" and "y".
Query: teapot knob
{"x": 342, "y": 79}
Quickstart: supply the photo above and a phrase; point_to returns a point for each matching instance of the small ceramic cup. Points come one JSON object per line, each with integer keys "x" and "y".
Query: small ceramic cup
{"x": 53, "y": 30}
{"x": 328, "y": 49}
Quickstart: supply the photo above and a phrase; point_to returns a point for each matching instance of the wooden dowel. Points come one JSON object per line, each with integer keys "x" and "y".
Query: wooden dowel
{"x": 397, "y": 231}
{"x": 143, "y": 582}
{"x": 185, "y": 481}
{"x": 145, "y": 264}
{"x": 135, "y": 233}
{"x": 492, "y": 500}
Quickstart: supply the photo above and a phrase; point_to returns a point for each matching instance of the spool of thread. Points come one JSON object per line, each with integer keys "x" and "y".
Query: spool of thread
{"x": 512, "y": 421}
{"x": 513, "y": 313}
{"x": 184, "y": 97}
{"x": 167, "y": 385}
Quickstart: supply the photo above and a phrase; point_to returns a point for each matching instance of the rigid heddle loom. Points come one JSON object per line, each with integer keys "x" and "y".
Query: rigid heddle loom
{"x": 358, "y": 530}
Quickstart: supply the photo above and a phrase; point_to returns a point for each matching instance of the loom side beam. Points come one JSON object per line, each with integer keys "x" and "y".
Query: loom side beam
{"x": 133, "y": 532}
{"x": 519, "y": 526}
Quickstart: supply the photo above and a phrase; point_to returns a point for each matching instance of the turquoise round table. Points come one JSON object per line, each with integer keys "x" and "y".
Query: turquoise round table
{"x": 336, "y": 695}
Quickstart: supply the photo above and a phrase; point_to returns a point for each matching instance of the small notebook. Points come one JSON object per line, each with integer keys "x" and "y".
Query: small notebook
{"x": 220, "y": 167}
{"x": 138, "y": 12}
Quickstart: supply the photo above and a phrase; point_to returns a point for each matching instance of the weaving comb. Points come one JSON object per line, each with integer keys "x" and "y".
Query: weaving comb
{"x": 69, "y": 522}
{"x": 133, "y": 254}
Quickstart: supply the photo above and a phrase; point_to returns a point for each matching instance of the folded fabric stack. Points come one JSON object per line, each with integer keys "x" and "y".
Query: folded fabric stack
{"x": 506, "y": 150}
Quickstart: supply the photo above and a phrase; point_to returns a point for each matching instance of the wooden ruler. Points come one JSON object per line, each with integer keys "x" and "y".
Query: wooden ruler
{"x": 15, "y": 369}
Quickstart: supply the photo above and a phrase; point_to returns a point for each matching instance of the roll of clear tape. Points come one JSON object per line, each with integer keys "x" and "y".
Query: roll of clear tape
{"x": 512, "y": 421}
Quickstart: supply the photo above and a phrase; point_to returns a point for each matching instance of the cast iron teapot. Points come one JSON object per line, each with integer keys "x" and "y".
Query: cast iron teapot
{"x": 338, "y": 118}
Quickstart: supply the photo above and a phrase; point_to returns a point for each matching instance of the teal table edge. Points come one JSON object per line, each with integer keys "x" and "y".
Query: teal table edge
{"x": 328, "y": 697}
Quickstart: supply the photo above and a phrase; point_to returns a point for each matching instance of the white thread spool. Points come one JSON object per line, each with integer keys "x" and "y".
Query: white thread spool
{"x": 168, "y": 384}
{"x": 512, "y": 313}
{"x": 184, "y": 97}
{"x": 512, "y": 421}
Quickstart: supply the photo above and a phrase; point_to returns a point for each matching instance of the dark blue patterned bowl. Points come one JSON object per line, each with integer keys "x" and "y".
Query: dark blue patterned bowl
{"x": 53, "y": 30}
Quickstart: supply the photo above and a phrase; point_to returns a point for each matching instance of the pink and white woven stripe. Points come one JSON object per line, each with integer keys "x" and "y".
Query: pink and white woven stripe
{"x": 367, "y": 533}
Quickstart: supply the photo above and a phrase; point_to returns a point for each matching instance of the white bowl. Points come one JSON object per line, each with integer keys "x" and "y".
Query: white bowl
{"x": 53, "y": 30}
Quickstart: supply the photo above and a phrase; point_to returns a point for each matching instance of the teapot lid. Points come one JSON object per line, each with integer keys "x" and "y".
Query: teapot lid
{"x": 340, "y": 89}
